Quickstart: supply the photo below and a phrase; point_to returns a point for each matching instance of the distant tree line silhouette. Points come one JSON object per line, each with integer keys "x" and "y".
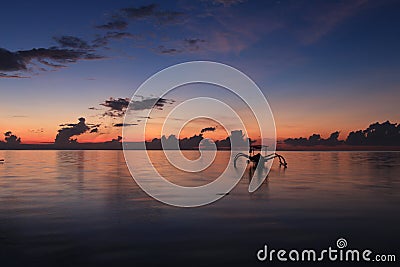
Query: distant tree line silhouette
{"x": 377, "y": 134}
{"x": 314, "y": 140}
{"x": 196, "y": 141}
{"x": 10, "y": 140}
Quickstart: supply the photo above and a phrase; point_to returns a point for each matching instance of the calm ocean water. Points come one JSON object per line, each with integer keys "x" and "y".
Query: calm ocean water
{"x": 80, "y": 208}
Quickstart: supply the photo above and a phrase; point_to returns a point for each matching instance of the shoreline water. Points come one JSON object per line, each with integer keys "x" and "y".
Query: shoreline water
{"x": 83, "y": 207}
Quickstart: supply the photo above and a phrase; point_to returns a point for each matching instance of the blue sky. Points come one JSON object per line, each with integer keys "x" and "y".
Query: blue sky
{"x": 323, "y": 65}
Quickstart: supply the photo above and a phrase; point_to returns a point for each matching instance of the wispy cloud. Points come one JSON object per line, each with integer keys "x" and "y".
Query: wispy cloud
{"x": 72, "y": 42}
{"x": 118, "y": 24}
{"x": 208, "y": 129}
{"x": 13, "y": 76}
{"x": 152, "y": 11}
{"x": 103, "y": 40}
{"x": 124, "y": 124}
{"x": 139, "y": 12}
{"x": 226, "y": 3}
{"x": 149, "y": 103}
{"x": 324, "y": 17}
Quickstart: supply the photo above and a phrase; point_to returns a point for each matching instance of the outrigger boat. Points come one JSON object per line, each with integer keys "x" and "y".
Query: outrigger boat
{"x": 255, "y": 159}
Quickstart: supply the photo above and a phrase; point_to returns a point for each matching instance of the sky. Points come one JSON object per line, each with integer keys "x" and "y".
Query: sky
{"x": 324, "y": 66}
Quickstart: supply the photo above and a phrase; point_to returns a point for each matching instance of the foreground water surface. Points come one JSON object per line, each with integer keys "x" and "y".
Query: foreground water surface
{"x": 80, "y": 208}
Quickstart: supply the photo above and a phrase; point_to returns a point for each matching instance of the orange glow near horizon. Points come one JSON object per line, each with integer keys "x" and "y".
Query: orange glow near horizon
{"x": 190, "y": 129}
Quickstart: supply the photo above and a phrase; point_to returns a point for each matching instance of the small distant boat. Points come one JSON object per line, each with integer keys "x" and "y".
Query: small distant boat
{"x": 1, "y": 160}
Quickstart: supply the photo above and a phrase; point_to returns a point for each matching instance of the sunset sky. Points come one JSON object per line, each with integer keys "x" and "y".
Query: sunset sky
{"x": 322, "y": 65}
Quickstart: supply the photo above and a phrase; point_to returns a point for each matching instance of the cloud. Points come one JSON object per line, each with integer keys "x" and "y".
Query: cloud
{"x": 70, "y": 49}
{"x": 12, "y": 76}
{"x": 170, "y": 17}
{"x": 19, "y": 116}
{"x": 117, "y": 106}
{"x": 152, "y": 12}
{"x": 114, "y": 25}
{"x": 72, "y": 42}
{"x": 69, "y": 130}
{"x": 163, "y": 50}
{"x": 186, "y": 45}
{"x": 139, "y": 12}
{"x": 208, "y": 129}
{"x": 227, "y": 3}
{"x": 149, "y": 103}
{"x": 10, "y": 61}
{"x": 193, "y": 44}
{"x": 145, "y": 12}
{"x": 103, "y": 40}
{"x": 124, "y": 124}
{"x": 323, "y": 18}
{"x": 52, "y": 57}
{"x": 37, "y": 131}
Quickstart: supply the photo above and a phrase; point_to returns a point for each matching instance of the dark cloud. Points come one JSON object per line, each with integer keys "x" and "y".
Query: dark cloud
{"x": 117, "y": 106}
{"x": 208, "y": 129}
{"x": 186, "y": 45}
{"x": 114, "y": 25}
{"x": 119, "y": 35}
{"x": 139, "y": 12}
{"x": 14, "y": 76}
{"x": 103, "y": 40}
{"x": 149, "y": 103}
{"x": 72, "y": 42}
{"x": 170, "y": 17}
{"x": 69, "y": 130}
{"x": 227, "y": 3}
{"x": 52, "y": 57}
{"x": 163, "y": 50}
{"x": 193, "y": 44}
{"x": 151, "y": 11}
{"x": 91, "y": 125}
{"x": 10, "y": 61}
{"x": 124, "y": 124}
{"x": 67, "y": 125}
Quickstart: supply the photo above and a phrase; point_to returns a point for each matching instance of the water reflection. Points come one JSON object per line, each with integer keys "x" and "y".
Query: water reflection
{"x": 84, "y": 208}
